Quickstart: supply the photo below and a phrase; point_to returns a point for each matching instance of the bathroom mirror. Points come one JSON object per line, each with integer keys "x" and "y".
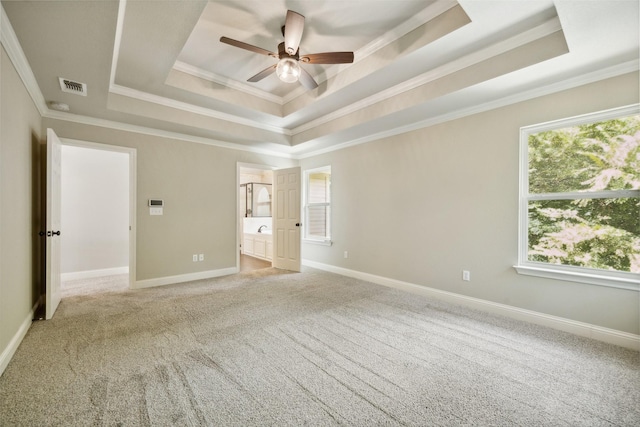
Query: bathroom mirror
{"x": 258, "y": 199}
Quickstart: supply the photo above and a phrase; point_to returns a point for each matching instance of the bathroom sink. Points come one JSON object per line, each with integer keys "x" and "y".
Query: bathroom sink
{"x": 265, "y": 232}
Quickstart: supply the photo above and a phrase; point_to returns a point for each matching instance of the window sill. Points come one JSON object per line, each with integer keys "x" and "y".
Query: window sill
{"x": 318, "y": 242}
{"x": 595, "y": 278}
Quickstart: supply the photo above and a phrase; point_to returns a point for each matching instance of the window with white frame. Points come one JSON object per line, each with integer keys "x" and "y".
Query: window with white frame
{"x": 317, "y": 204}
{"x": 580, "y": 199}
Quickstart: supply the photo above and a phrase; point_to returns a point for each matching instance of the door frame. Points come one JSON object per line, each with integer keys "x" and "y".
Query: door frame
{"x": 132, "y": 152}
{"x": 241, "y": 165}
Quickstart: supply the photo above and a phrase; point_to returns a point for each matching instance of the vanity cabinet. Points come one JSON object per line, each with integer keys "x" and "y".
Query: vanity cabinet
{"x": 247, "y": 245}
{"x": 270, "y": 249}
{"x": 259, "y": 245}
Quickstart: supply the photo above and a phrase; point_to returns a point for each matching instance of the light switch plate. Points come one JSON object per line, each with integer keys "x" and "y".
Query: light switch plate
{"x": 155, "y": 211}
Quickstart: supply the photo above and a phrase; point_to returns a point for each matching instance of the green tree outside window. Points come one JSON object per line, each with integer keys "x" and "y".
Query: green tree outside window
{"x": 584, "y": 204}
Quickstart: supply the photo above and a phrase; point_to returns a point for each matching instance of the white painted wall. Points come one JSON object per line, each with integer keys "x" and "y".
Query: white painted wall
{"x": 95, "y": 209}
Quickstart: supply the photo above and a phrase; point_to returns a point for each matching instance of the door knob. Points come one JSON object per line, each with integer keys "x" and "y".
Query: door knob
{"x": 56, "y": 233}
{"x": 298, "y": 224}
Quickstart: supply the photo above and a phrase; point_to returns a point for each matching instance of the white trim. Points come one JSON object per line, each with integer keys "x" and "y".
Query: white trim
{"x": 545, "y": 29}
{"x": 423, "y": 17}
{"x": 591, "y": 276}
{"x": 109, "y": 124}
{"x": 194, "y": 71}
{"x": 239, "y": 216}
{"x": 611, "y": 336}
{"x": 582, "y": 119}
{"x": 189, "y": 277}
{"x": 14, "y": 50}
{"x": 13, "y": 345}
{"x": 117, "y": 41}
{"x": 190, "y": 108}
{"x": 133, "y": 191}
{"x": 318, "y": 242}
{"x": 431, "y": 11}
{"x": 326, "y": 240}
{"x": 11, "y": 44}
{"x": 607, "y": 73}
{"x": 97, "y": 146}
{"x": 572, "y": 195}
{"x": 90, "y": 274}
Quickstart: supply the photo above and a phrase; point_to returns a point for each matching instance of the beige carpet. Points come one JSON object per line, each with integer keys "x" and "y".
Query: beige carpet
{"x": 314, "y": 348}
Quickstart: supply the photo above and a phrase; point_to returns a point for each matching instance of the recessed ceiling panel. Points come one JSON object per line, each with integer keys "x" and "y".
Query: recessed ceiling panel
{"x": 345, "y": 26}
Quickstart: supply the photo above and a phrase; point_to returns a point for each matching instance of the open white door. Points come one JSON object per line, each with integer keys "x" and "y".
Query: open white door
{"x": 54, "y": 154}
{"x": 286, "y": 219}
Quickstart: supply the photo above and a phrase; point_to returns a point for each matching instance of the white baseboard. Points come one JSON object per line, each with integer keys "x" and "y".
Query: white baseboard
{"x": 170, "y": 280}
{"x": 89, "y": 274}
{"x": 10, "y": 350}
{"x": 611, "y": 336}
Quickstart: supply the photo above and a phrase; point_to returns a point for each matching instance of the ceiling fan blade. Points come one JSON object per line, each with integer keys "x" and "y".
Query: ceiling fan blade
{"x": 306, "y": 80}
{"x": 328, "y": 58}
{"x": 246, "y": 46}
{"x": 262, "y": 74}
{"x": 293, "y": 27}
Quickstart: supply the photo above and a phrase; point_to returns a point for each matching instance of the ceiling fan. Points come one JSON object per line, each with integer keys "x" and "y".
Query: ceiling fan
{"x": 288, "y": 67}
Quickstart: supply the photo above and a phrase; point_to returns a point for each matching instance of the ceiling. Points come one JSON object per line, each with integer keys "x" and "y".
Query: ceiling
{"x": 158, "y": 66}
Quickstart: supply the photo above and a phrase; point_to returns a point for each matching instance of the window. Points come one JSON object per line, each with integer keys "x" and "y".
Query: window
{"x": 580, "y": 199}
{"x": 317, "y": 205}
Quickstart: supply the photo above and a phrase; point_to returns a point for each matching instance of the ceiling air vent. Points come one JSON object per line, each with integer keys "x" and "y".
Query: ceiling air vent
{"x": 70, "y": 86}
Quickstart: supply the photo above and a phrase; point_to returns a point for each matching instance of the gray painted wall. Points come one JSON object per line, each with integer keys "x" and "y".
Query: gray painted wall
{"x": 431, "y": 202}
{"x": 20, "y": 205}
{"x": 198, "y": 185}
{"x": 422, "y": 206}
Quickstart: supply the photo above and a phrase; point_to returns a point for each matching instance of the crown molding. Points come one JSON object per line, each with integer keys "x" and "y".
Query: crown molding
{"x": 114, "y": 125}
{"x": 16, "y": 55}
{"x": 10, "y": 42}
{"x": 190, "y": 108}
{"x": 300, "y": 151}
{"x": 429, "y": 12}
{"x": 303, "y": 151}
{"x": 545, "y": 29}
{"x": 224, "y": 81}
{"x": 122, "y": 5}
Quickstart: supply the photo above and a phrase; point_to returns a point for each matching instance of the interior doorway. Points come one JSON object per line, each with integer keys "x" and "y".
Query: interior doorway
{"x": 97, "y": 218}
{"x": 255, "y": 218}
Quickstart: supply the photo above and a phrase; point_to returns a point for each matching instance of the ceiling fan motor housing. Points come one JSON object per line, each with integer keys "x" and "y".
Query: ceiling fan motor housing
{"x": 282, "y": 53}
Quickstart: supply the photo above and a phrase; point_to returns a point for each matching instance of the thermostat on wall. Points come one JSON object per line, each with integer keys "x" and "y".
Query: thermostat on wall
{"x": 155, "y": 206}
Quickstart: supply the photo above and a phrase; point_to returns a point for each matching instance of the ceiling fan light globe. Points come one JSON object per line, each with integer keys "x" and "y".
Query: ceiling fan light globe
{"x": 288, "y": 70}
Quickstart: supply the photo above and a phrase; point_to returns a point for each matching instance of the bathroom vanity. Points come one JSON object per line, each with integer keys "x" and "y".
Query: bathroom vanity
{"x": 255, "y": 207}
{"x": 259, "y": 245}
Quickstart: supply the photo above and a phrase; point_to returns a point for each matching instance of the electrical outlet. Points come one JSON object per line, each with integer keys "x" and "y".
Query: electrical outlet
{"x": 466, "y": 275}
{"x": 346, "y": 254}
{"x": 201, "y": 257}
{"x": 195, "y": 258}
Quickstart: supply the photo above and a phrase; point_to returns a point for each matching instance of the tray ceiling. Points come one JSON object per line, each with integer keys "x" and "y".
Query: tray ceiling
{"x": 160, "y": 65}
